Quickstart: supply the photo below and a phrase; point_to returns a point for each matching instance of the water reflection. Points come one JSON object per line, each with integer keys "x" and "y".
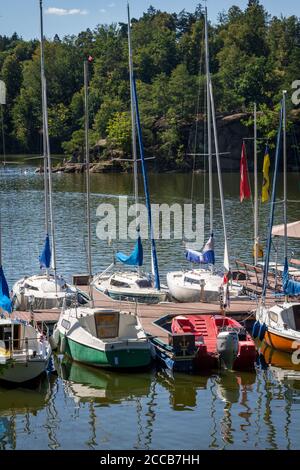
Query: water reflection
{"x": 22, "y": 401}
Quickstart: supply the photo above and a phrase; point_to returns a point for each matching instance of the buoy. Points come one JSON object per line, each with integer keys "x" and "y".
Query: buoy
{"x": 262, "y": 331}
{"x": 255, "y": 329}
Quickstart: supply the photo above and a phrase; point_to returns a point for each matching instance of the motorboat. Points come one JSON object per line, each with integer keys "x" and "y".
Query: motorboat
{"x": 217, "y": 338}
{"x": 24, "y": 351}
{"x": 101, "y": 337}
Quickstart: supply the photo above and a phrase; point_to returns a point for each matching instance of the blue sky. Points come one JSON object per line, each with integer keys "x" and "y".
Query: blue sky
{"x": 72, "y": 16}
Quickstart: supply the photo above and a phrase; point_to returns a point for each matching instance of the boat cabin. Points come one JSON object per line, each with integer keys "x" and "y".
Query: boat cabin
{"x": 290, "y": 317}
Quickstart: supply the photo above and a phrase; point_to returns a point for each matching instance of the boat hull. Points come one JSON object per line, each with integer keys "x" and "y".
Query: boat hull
{"x": 21, "y": 372}
{"x": 280, "y": 342}
{"x": 151, "y": 298}
{"x": 118, "y": 358}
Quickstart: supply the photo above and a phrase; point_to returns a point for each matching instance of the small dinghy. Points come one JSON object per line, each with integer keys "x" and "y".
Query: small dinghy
{"x": 24, "y": 351}
{"x": 219, "y": 340}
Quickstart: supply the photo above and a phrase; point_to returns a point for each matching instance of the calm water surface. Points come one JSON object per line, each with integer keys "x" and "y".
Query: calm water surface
{"x": 151, "y": 410}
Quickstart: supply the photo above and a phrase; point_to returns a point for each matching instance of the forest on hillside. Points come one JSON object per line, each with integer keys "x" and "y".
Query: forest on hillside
{"x": 253, "y": 58}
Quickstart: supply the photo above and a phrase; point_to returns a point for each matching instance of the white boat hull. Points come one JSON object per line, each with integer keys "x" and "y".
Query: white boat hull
{"x": 183, "y": 291}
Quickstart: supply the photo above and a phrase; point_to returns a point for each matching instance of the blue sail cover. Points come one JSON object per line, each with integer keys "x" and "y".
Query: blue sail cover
{"x": 207, "y": 256}
{"x": 45, "y": 258}
{"x": 5, "y": 302}
{"x": 136, "y": 256}
{"x": 289, "y": 287}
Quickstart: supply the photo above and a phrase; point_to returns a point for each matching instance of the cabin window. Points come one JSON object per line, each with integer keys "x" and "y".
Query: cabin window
{"x": 28, "y": 286}
{"x": 144, "y": 283}
{"x": 116, "y": 283}
{"x": 107, "y": 324}
{"x": 273, "y": 316}
{"x": 296, "y": 310}
{"x": 192, "y": 281}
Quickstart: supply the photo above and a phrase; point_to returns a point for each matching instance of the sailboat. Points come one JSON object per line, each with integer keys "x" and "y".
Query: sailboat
{"x": 203, "y": 284}
{"x": 134, "y": 285}
{"x": 45, "y": 290}
{"x": 279, "y": 325}
{"x": 24, "y": 350}
{"x": 97, "y": 336}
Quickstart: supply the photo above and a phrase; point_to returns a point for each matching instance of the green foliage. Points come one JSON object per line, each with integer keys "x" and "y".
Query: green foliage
{"x": 252, "y": 57}
{"x": 119, "y": 132}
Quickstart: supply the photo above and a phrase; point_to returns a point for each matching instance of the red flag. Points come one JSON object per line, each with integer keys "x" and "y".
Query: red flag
{"x": 245, "y": 192}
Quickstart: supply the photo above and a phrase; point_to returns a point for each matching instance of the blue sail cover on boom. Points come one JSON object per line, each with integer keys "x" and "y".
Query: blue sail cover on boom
{"x": 136, "y": 256}
{"x": 5, "y": 302}
{"x": 45, "y": 258}
{"x": 207, "y": 256}
{"x": 289, "y": 287}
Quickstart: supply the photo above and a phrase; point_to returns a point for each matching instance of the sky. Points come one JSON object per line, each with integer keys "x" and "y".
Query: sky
{"x": 66, "y": 17}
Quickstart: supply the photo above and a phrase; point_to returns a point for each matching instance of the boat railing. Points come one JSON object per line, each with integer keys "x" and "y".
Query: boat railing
{"x": 21, "y": 345}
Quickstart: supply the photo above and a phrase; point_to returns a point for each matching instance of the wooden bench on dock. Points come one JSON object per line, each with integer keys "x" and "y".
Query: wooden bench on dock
{"x": 252, "y": 278}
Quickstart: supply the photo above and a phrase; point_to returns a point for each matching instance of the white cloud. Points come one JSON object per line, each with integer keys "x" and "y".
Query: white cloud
{"x": 111, "y": 5}
{"x": 64, "y": 12}
{"x": 102, "y": 10}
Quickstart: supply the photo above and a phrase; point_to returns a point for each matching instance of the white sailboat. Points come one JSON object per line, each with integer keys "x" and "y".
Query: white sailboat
{"x": 204, "y": 284}
{"x": 24, "y": 350}
{"x": 279, "y": 324}
{"x": 45, "y": 290}
{"x": 97, "y": 336}
{"x": 134, "y": 285}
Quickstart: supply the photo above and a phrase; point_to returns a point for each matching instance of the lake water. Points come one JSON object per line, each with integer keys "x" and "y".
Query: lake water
{"x": 83, "y": 408}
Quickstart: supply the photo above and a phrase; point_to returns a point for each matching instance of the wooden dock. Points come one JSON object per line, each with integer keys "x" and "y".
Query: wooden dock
{"x": 148, "y": 313}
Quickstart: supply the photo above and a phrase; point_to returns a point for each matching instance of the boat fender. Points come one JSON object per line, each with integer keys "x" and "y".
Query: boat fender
{"x": 262, "y": 331}
{"x": 62, "y": 347}
{"x": 255, "y": 329}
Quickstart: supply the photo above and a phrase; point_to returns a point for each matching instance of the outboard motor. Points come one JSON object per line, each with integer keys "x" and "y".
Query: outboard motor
{"x": 228, "y": 347}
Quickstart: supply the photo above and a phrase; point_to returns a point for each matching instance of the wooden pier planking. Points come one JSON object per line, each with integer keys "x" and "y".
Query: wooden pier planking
{"x": 148, "y": 313}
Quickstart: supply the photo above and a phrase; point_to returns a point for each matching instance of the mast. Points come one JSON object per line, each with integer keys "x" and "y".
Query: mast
{"x": 133, "y": 125}
{"x": 273, "y": 200}
{"x": 87, "y": 172}
{"x": 209, "y": 136}
{"x": 133, "y": 122}
{"x": 255, "y": 189}
{"x": 226, "y": 256}
{"x": 46, "y": 143}
{"x": 144, "y": 169}
{"x": 285, "y": 183}
{"x": 284, "y": 175}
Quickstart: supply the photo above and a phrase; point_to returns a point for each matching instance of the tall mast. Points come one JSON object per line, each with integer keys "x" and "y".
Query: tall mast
{"x": 46, "y": 139}
{"x": 133, "y": 121}
{"x": 255, "y": 188}
{"x": 44, "y": 133}
{"x": 137, "y": 122}
{"x": 284, "y": 176}
{"x": 87, "y": 172}
{"x": 133, "y": 124}
{"x": 226, "y": 256}
{"x": 209, "y": 137}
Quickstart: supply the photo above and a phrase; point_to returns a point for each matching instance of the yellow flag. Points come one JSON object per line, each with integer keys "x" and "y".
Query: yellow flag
{"x": 266, "y": 177}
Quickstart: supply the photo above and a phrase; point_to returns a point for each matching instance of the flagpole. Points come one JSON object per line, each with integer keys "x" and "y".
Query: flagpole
{"x": 87, "y": 172}
{"x": 255, "y": 189}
